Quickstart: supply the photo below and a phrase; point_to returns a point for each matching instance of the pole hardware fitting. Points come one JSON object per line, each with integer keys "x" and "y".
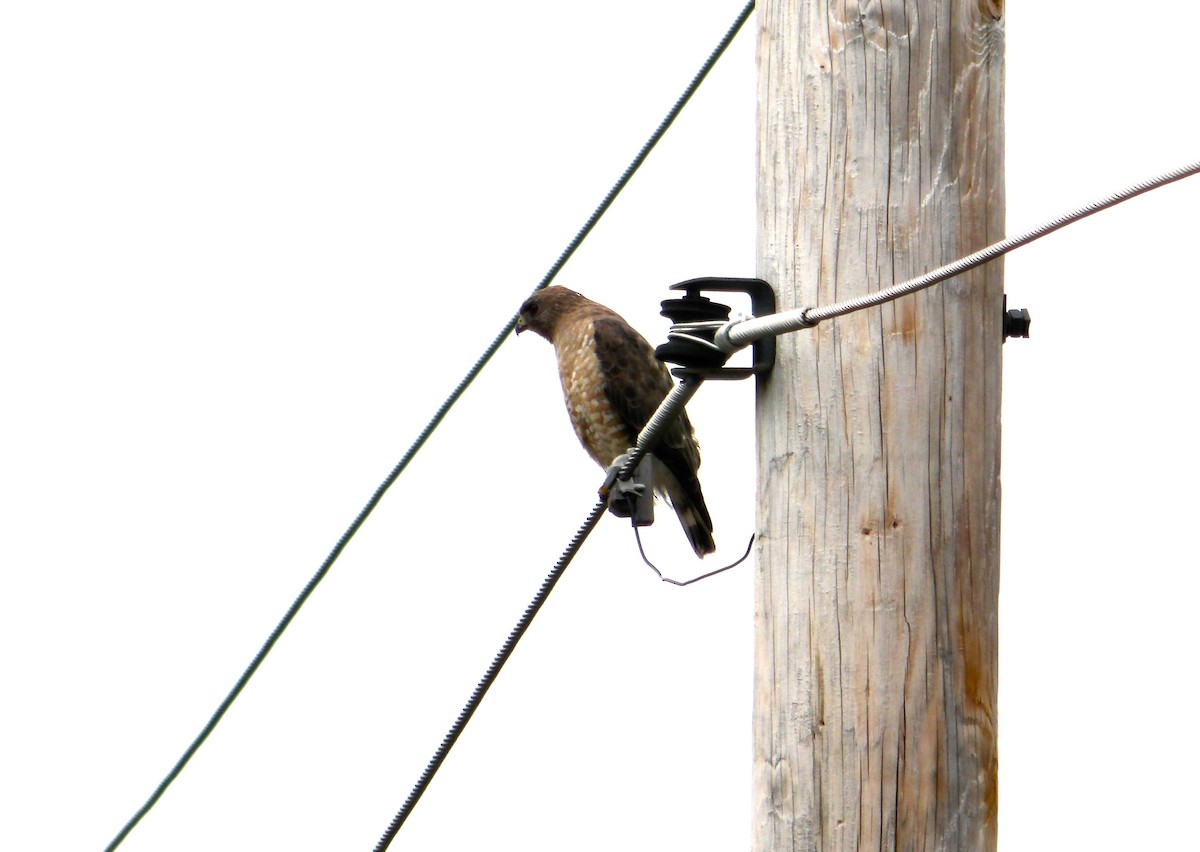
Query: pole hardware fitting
{"x": 624, "y": 495}
{"x": 1016, "y": 321}
{"x": 695, "y": 341}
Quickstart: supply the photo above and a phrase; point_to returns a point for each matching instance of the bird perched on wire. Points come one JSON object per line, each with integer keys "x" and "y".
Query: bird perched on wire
{"x": 613, "y": 384}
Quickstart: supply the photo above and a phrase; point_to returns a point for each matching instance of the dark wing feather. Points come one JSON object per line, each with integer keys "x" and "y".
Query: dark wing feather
{"x": 636, "y": 383}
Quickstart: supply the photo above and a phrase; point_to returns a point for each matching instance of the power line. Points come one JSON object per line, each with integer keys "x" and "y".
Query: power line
{"x": 433, "y": 423}
{"x": 738, "y": 333}
{"x": 733, "y": 335}
{"x": 667, "y": 411}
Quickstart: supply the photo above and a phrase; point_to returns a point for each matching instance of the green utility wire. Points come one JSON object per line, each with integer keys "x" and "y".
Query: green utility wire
{"x": 437, "y": 418}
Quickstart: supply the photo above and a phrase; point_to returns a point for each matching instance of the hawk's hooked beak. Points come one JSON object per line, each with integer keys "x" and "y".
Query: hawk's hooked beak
{"x": 521, "y": 324}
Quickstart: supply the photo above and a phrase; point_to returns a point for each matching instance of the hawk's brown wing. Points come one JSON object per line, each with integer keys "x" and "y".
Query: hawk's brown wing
{"x": 636, "y": 383}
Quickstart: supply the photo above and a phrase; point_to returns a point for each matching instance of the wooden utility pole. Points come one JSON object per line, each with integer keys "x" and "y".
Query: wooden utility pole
{"x": 881, "y": 156}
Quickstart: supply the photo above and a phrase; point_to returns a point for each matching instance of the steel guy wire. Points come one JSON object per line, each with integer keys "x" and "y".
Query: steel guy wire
{"x": 741, "y": 332}
{"x": 667, "y": 411}
{"x": 733, "y": 335}
{"x": 433, "y": 423}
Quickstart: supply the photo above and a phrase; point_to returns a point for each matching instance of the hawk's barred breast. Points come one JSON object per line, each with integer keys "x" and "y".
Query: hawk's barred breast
{"x": 596, "y": 423}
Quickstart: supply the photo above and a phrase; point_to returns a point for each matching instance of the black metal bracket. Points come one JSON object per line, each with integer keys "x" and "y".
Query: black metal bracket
{"x": 1016, "y": 321}
{"x": 695, "y": 320}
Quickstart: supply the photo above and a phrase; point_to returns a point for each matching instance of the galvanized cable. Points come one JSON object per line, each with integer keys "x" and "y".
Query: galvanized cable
{"x": 433, "y": 423}
{"x": 739, "y": 333}
{"x": 734, "y": 335}
{"x": 489, "y": 676}
{"x": 666, "y": 413}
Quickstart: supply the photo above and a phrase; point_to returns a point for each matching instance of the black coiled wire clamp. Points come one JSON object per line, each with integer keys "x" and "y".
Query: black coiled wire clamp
{"x": 695, "y": 320}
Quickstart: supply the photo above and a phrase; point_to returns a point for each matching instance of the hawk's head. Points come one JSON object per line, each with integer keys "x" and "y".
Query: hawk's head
{"x": 542, "y": 311}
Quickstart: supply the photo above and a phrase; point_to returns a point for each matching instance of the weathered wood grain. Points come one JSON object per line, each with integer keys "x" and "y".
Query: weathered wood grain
{"x": 880, "y": 156}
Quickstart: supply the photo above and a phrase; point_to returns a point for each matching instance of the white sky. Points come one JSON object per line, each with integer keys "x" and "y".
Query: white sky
{"x": 247, "y": 249}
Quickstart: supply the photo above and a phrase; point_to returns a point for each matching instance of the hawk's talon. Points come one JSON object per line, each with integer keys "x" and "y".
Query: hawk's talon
{"x": 624, "y": 496}
{"x": 613, "y": 471}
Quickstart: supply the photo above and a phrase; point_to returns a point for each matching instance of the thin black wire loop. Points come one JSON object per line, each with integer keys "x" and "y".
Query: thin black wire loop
{"x": 433, "y": 423}
{"x": 641, "y": 550}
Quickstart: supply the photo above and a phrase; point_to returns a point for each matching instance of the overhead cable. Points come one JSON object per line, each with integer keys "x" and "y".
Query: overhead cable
{"x": 667, "y": 412}
{"x": 741, "y": 332}
{"x": 433, "y": 423}
{"x": 731, "y": 336}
